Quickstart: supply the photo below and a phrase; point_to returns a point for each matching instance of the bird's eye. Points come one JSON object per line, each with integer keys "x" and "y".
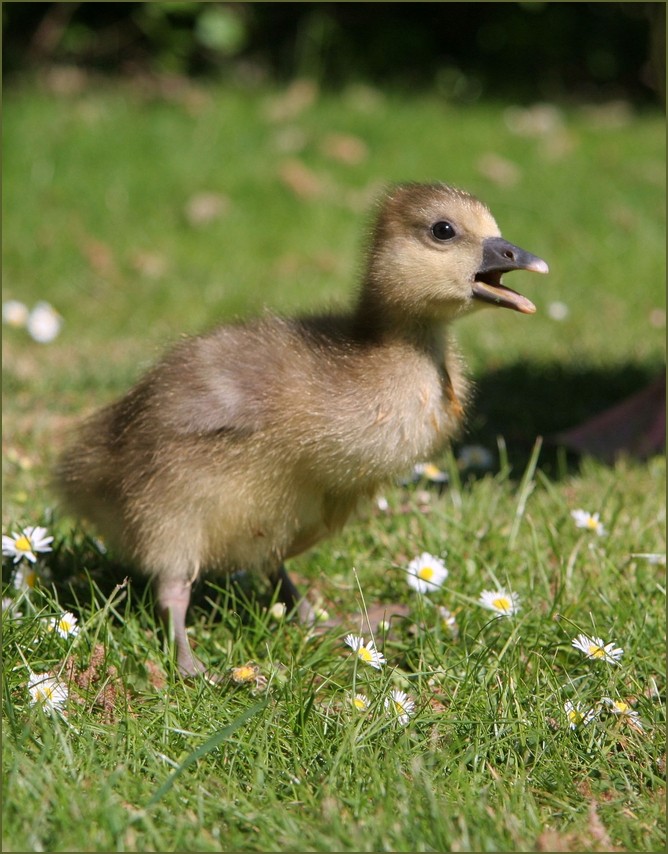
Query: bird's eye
{"x": 443, "y": 230}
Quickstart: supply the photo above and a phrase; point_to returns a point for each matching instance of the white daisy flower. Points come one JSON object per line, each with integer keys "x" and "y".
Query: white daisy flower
{"x": 653, "y": 558}
{"x": 624, "y": 712}
{"x": 449, "y": 621}
{"x": 25, "y": 578}
{"x": 365, "y": 652}
{"x": 597, "y": 648}
{"x": 578, "y": 714}
{"x": 429, "y": 472}
{"x": 360, "y": 702}
{"x": 278, "y": 611}
{"x": 9, "y": 609}
{"x": 321, "y": 614}
{"x": 588, "y": 521}
{"x": 426, "y": 573}
{"x": 475, "y": 457}
{"x": 500, "y": 601}
{"x": 44, "y": 323}
{"x": 14, "y": 313}
{"x": 26, "y": 544}
{"x": 65, "y": 625}
{"x": 46, "y": 690}
{"x": 557, "y": 310}
{"x": 401, "y": 705}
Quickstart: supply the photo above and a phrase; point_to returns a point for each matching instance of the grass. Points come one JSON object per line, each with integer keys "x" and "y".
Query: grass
{"x": 94, "y": 191}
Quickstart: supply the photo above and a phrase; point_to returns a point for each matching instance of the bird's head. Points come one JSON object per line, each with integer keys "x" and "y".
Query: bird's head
{"x": 437, "y": 253}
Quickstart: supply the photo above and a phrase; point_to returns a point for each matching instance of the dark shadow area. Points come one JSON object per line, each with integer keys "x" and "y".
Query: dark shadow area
{"x": 464, "y": 51}
{"x": 525, "y": 400}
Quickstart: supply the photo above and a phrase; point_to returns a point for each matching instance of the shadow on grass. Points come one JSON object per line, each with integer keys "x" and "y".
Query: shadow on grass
{"x": 522, "y": 401}
{"x": 518, "y": 402}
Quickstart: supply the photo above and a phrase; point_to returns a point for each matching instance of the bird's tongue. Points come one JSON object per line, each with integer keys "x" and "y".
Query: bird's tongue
{"x": 498, "y": 294}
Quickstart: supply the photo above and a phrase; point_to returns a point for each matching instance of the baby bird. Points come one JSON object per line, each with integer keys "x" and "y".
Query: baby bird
{"x": 246, "y": 445}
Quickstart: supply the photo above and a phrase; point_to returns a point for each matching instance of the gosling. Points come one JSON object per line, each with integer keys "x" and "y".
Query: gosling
{"x": 246, "y": 445}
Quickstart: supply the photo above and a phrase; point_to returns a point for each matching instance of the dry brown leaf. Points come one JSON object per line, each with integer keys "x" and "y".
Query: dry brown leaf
{"x": 99, "y": 255}
{"x": 299, "y": 96}
{"x": 502, "y": 172}
{"x": 151, "y": 265}
{"x": 203, "y": 208}
{"x": 344, "y": 148}
{"x": 301, "y": 180}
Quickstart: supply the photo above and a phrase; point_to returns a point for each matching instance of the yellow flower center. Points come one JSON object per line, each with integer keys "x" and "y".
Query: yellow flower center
{"x": 592, "y": 523}
{"x": 575, "y": 717}
{"x": 44, "y": 693}
{"x": 64, "y": 625}
{"x": 426, "y": 573}
{"x": 244, "y": 673}
{"x": 364, "y": 654}
{"x": 398, "y": 708}
{"x": 501, "y": 603}
{"x": 596, "y": 651}
{"x": 359, "y": 703}
{"x": 23, "y": 544}
{"x": 621, "y": 707}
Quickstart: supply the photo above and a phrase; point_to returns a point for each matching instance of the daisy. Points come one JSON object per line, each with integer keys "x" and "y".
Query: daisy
{"x": 500, "y": 601}
{"x": 557, "y": 310}
{"x": 25, "y": 578}
{"x": 624, "y": 712}
{"x": 245, "y": 673}
{"x": 653, "y": 558}
{"x": 44, "y": 323}
{"x": 360, "y": 702}
{"x": 26, "y": 544}
{"x": 589, "y": 521}
{"x": 578, "y": 714}
{"x": 65, "y": 625}
{"x": 46, "y": 690}
{"x": 365, "y": 652}
{"x": 448, "y": 621}
{"x": 14, "y": 313}
{"x": 429, "y": 472}
{"x": 401, "y": 704}
{"x": 278, "y": 611}
{"x": 9, "y": 609}
{"x": 426, "y": 573}
{"x": 597, "y": 648}
{"x": 475, "y": 457}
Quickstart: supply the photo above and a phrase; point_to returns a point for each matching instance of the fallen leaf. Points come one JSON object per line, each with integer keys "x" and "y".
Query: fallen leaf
{"x": 203, "y": 208}
{"x": 502, "y": 172}
{"x": 298, "y": 97}
{"x": 301, "y": 180}
{"x": 344, "y": 148}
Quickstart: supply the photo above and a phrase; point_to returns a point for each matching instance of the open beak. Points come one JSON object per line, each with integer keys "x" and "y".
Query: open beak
{"x": 499, "y": 257}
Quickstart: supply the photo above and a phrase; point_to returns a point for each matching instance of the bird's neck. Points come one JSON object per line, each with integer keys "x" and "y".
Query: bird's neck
{"x": 376, "y": 322}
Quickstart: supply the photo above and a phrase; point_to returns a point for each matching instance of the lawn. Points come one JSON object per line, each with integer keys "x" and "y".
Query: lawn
{"x": 141, "y": 212}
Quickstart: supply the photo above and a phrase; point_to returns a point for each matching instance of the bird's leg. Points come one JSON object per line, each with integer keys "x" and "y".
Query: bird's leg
{"x": 173, "y": 597}
{"x": 291, "y": 597}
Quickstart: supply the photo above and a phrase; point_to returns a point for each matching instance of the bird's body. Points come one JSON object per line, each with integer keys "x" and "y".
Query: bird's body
{"x": 245, "y": 446}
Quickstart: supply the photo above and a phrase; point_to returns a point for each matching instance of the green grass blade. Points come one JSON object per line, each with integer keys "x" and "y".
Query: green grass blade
{"x": 209, "y": 745}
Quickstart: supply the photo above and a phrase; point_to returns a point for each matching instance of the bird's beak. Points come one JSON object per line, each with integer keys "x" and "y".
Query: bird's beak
{"x": 498, "y": 257}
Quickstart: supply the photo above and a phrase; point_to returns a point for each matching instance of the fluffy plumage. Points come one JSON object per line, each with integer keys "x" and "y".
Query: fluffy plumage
{"x": 245, "y": 446}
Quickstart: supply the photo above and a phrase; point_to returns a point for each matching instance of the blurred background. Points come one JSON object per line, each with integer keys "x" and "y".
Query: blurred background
{"x": 466, "y": 51}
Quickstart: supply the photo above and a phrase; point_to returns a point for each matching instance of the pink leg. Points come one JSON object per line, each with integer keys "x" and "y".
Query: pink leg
{"x": 173, "y": 599}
